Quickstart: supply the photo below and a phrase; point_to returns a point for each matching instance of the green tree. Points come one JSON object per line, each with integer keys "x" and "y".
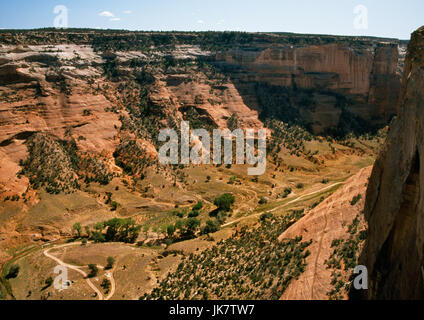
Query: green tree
{"x": 146, "y": 229}
{"x": 210, "y": 227}
{"x": 198, "y": 206}
{"x": 110, "y": 262}
{"x": 98, "y": 237}
{"x": 78, "y": 229}
{"x": 99, "y": 226}
{"x": 170, "y": 230}
{"x": 224, "y": 202}
{"x": 125, "y": 230}
{"x": 114, "y": 206}
{"x": 88, "y": 231}
{"x": 93, "y": 270}
{"x": 191, "y": 225}
{"x": 106, "y": 284}
{"x": 179, "y": 225}
{"x": 194, "y": 214}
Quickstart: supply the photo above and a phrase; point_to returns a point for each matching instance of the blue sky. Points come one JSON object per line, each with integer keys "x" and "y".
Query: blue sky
{"x": 386, "y": 18}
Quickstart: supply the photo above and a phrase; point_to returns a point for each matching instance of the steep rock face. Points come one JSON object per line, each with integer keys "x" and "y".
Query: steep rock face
{"x": 216, "y": 105}
{"x": 10, "y": 74}
{"x": 366, "y": 77}
{"x": 327, "y": 80}
{"x": 395, "y": 197}
{"x": 44, "y": 92}
{"x": 323, "y": 225}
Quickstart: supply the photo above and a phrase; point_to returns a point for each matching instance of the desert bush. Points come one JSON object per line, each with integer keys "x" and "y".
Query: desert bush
{"x": 13, "y": 272}
{"x": 93, "y": 270}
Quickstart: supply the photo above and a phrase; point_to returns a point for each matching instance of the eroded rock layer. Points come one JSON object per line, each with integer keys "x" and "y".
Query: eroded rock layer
{"x": 395, "y": 197}
{"x": 325, "y": 225}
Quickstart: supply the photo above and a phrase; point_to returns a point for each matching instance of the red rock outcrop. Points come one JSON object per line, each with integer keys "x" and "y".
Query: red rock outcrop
{"x": 323, "y": 224}
{"x": 394, "y": 206}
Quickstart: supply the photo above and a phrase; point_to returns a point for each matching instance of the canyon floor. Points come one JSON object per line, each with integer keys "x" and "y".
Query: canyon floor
{"x": 140, "y": 268}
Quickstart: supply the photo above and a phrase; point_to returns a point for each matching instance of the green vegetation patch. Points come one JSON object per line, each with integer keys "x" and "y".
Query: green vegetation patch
{"x": 345, "y": 258}
{"x": 252, "y": 264}
{"x": 51, "y": 164}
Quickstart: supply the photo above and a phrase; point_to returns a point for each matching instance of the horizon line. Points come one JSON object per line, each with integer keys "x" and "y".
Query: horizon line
{"x": 191, "y": 31}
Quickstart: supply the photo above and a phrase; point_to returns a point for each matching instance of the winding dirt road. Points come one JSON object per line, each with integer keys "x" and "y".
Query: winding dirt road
{"x": 283, "y": 205}
{"x": 109, "y": 275}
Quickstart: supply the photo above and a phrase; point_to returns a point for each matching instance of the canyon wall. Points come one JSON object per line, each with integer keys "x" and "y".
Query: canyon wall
{"x": 332, "y": 84}
{"x": 80, "y": 85}
{"x": 395, "y": 197}
{"x": 337, "y": 77}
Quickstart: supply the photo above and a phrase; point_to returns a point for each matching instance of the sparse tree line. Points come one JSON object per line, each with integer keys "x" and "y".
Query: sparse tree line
{"x": 114, "y": 230}
{"x": 190, "y": 227}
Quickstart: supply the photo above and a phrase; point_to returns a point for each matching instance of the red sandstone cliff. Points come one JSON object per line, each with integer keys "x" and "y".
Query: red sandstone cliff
{"x": 368, "y": 76}
{"x": 394, "y": 207}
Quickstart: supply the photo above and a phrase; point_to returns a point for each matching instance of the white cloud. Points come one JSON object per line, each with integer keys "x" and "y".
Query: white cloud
{"x": 127, "y": 11}
{"x": 115, "y": 19}
{"x": 106, "y": 14}
{"x": 200, "y": 21}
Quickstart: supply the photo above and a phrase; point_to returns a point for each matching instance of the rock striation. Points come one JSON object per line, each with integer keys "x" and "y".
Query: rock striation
{"x": 394, "y": 252}
{"x": 323, "y": 225}
{"x": 365, "y": 80}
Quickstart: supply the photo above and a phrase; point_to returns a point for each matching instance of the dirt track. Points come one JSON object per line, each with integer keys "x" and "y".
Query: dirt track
{"x": 91, "y": 285}
{"x": 283, "y": 205}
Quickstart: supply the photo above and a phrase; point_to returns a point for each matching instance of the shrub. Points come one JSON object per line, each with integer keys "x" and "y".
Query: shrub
{"x": 110, "y": 262}
{"x": 210, "y": 227}
{"x": 198, "y": 206}
{"x": 49, "y": 282}
{"x": 266, "y": 216}
{"x": 263, "y": 200}
{"x": 170, "y": 230}
{"x": 93, "y": 270}
{"x": 114, "y": 205}
{"x": 106, "y": 285}
{"x": 224, "y": 202}
{"x": 287, "y": 191}
{"x": 356, "y": 199}
{"x": 193, "y": 214}
{"x": 13, "y": 272}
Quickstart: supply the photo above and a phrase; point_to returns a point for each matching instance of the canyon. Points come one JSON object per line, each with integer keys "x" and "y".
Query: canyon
{"x": 336, "y": 86}
{"x": 80, "y": 115}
